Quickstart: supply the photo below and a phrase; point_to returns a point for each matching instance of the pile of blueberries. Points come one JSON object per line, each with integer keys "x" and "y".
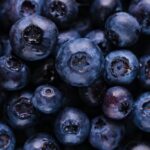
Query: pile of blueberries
{"x": 74, "y": 74}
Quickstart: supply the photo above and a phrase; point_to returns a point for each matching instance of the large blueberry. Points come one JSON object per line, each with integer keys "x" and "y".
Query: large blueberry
{"x": 7, "y": 139}
{"x": 121, "y": 67}
{"x": 41, "y": 141}
{"x": 117, "y": 102}
{"x": 72, "y": 126}
{"x": 141, "y": 10}
{"x": 104, "y": 134}
{"x": 141, "y": 113}
{"x": 122, "y": 29}
{"x": 33, "y": 37}
{"x": 47, "y": 99}
{"x": 14, "y": 74}
{"x": 79, "y": 62}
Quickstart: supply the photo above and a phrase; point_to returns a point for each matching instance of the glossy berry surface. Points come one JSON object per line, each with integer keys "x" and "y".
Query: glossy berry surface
{"x": 121, "y": 67}
{"x": 72, "y": 126}
{"x": 79, "y": 62}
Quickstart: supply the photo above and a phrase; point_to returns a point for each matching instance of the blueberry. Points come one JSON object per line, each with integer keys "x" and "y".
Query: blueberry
{"x": 117, "y": 102}
{"x": 144, "y": 75}
{"x": 14, "y": 74}
{"x": 47, "y": 99}
{"x": 99, "y": 38}
{"x": 121, "y": 67}
{"x": 102, "y": 9}
{"x": 20, "y": 111}
{"x": 93, "y": 95}
{"x": 62, "y": 12}
{"x": 7, "y": 139}
{"x": 141, "y": 10}
{"x": 122, "y": 29}
{"x": 104, "y": 134}
{"x": 79, "y": 62}
{"x": 23, "y": 8}
{"x": 41, "y": 141}
{"x": 72, "y": 126}
{"x": 141, "y": 112}
{"x": 33, "y": 37}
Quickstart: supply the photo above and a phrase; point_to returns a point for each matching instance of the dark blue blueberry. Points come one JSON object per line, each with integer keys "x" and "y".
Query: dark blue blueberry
{"x": 141, "y": 10}
{"x": 22, "y": 8}
{"x": 62, "y": 12}
{"x": 122, "y": 29}
{"x": 117, "y": 103}
{"x": 72, "y": 126}
{"x": 14, "y": 74}
{"x": 141, "y": 113}
{"x": 144, "y": 75}
{"x": 47, "y": 99}
{"x": 104, "y": 134}
{"x": 93, "y": 94}
{"x": 7, "y": 139}
{"x": 121, "y": 67}
{"x": 33, "y": 37}
{"x": 99, "y": 38}
{"x": 41, "y": 141}
{"x": 102, "y": 9}
{"x": 79, "y": 62}
{"x": 20, "y": 111}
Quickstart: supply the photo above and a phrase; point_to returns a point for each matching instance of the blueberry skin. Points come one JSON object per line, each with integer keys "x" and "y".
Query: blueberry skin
{"x": 118, "y": 103}
{"x": 47, "y": 99}
{"x": 144, "y": 71}
{"x": 62, "y": 12}
{"x": 14, "y": 74}
{"x": 79, "y": 62}
{"x": 121, "y": 67}
{"x": 141, "y": 10}
{"x": 21, "y": 8}
{"x": 41, "y": 141}
{"x": 102, "y": 9}
{"x": 72, "y": 126}
{"x": 7, "y": 138}
{"x": 99, "y": 38}
{"x": 141, "y": 112}
{"x": 33, "y": 37}
{"x": 104, "y": 134}
{"x": 20, "y": 111}
{"x": 122, "y": 29}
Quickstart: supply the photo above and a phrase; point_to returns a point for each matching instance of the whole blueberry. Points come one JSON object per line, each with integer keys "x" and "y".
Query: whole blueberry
{"x": 33, "y": 37}
{"x": 144, "y": 74}
{"x": 14, "y": 74}
{"x": 141, "y": 10}
{"x": 102, "y": 9}
{"x": 121, "y": 67}
{"x": 21, "y": 8}
{"x": 20, "y": 111}
{"x": 79, "y": 62}
{"x": 7, "y": 138}
{"x": 41, "y": 141}
{"x": 47, "y": 99}
{"x": 122, "y": 29}
{"x": 62, "y": 12}
{"x": 104, "y": 134}
{"x": 141, "y": 112}
{"x": 72, "y": 126}
{"x": 117, "y": 102}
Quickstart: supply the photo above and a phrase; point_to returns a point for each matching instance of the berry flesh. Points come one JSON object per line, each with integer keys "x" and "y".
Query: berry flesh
{"x": 72, "y": 126}
{"x": 33, "y": 37}
{"x": 117, "y": 102}
{"x": 122, "y": 29}
{"x": 79, "y": 62}
{"x": 121, "y": 67}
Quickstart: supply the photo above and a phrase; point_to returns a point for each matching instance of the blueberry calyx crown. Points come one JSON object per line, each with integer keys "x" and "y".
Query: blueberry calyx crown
{"x": 146, "y": 108}
{"x": 47, "y": 92}
{"x": 4, "y": 140}
{"x": 48, "y": 145}
{"x": 124, "y": 107}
